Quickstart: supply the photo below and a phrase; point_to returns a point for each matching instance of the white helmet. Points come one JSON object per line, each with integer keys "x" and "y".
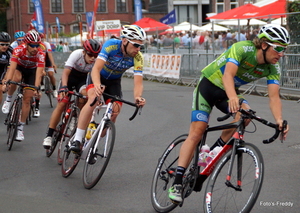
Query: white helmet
{"x": 275, "y": 33}
{"x": 133, "y": 32}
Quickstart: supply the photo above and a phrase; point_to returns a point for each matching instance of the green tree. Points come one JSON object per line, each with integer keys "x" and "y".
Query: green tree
{"x": 4, "y": 4}
{"x": 293, "y": 21}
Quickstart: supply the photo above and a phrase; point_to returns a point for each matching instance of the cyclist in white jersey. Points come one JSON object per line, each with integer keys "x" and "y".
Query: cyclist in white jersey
{"x": 19, "y": 36}
{"x": 78, "y": 65}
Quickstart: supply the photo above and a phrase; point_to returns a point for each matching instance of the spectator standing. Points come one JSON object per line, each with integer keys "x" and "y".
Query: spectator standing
{"x": 66, "y": 47}
{"x": 59, "y": 47}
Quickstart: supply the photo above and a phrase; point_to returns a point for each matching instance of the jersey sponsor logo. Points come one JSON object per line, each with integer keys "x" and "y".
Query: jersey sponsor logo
{"x": 248, "y": 49}
{"x": 248, "y": 64}
{"x": 111, "y": 48}
{"x": 221, "y": 60}
{"x": 257, "y": 72}
{"x": 198, "y": 115}
{"x": 247, "y": 75}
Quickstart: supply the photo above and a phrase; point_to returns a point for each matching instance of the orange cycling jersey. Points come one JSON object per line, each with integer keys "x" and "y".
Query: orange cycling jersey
{"x": 21, "y": 58}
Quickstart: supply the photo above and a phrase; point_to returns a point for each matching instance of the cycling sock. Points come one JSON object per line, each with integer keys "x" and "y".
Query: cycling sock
{"x": 219, "y": 142}
{"x": 8, "y": 98}
{"x": 54, "y": 87}
{"x": 79, "y": 135}
{"x": 21, "y": 126}
{"x": 37, "y": 103}
{"x": 179, "y": 174}
{"x": 50, "y": 132}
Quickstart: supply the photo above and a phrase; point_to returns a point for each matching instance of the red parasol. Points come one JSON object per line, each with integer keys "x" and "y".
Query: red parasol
{"x": 149, "y": 24}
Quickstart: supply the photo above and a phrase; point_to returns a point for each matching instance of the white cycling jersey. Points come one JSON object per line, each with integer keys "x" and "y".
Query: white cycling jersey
{"x": 76, "y": 61}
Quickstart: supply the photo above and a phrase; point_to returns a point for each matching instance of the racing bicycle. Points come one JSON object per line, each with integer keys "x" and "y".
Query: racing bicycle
{"x": 235, "y": 175}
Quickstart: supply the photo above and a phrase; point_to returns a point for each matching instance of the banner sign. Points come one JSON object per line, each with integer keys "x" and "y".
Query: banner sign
{"x": 166, "y": 66}
{"x": 57, "y": 24}
{"x": 108, "y": 25}
{"x": 39, "y": 16}
{"x": 138, "y": 10}
{"x": 89, "y": 19}
{"x": 170, "y": 18}
{"x": 91, "y": 32}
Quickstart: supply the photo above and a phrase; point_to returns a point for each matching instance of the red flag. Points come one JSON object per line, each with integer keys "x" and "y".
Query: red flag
{"x": 94, "y": 19}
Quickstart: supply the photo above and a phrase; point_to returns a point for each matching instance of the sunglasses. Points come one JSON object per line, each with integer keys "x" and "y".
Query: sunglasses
{"x": 136, "y": 45}
{"x": 20, "y": 40}
{"x": 277, "y": 48}
{"x": 95, "y": 55}
{"x": 34, "y": 45}
{"x": 3, "y": 44}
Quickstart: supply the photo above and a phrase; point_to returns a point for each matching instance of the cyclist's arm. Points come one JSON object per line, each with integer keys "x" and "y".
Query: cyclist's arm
{"x": 138, "y": 89}
{"x": 228, "y": 82}
{"x": 50, "y": 55}
{"x": 65, "y": 76}
{"x": 10, "y": 72}
{"x": 95, "y": 74}
{"x": 38, "y": 76}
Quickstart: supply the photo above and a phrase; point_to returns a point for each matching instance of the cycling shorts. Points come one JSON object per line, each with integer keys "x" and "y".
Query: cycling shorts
{"x": 28, "y": 74}
{"x": 207, "y": 95}
{"x": 76, "y": 80}
{"x": 47, "y": 61}
{"x": 112, "y": 87}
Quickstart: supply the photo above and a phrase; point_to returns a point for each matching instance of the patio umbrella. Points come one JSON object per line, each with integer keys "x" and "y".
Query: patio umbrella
{"x": 184, "y": 26}
{"x": 271, "y": 10}
{"x": 208, "y": 27}
{"x": 243, "y": 22}
{"x": 149, "y": 24}
{"x": 235, "y": 13}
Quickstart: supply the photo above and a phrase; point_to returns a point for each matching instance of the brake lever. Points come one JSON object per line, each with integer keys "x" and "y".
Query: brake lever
{"x": 284, "y": 125}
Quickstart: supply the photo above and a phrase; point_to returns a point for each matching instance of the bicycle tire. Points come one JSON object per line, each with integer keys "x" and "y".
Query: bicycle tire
{"x": 97, "y": 161}
{"x": 48, "y": 89}
{"x": 55, "y": 138}
{"x": 164, "y": 176}
{"x": 228, "y": 199}
{"x": 13, "y": 120}
{"x": 69, "y": 161}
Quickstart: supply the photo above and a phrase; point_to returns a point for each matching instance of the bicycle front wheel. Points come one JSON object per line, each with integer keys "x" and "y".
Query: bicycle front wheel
{"x": 69, "y": 161}
{"x": 164, "y": 176}
{"x": 98, "y": 156}
{"x": 236, "y": 195}
{"x": 12, "y": 123}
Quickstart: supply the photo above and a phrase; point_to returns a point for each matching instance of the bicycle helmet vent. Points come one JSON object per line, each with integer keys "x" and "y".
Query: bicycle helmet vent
{"x": 133, "y": 32}
{"x": 92, "y": 46}
{"x": 275, "y": 33}
{"x": 32, "y": 37}
{"x": 5, "y": 37}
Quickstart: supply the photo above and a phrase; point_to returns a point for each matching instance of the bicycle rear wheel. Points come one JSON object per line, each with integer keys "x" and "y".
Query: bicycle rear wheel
{"x": 223, "y": 197}
{"x": 164, "y": 176}
{"x": 48, "y": 89}
{"x": 98, "y": 156}
{"x": 12, "y": 123}
{"x": 69, "y": 130}
{"x": 69, "y": 161}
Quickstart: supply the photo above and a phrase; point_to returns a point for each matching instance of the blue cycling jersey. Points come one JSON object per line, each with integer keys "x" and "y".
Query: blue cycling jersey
{"x": 116, "y": 63}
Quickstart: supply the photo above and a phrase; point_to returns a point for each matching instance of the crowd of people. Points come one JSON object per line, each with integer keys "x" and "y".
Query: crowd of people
{"x": 98, "y": 68}
{"x": 203, "y": 40}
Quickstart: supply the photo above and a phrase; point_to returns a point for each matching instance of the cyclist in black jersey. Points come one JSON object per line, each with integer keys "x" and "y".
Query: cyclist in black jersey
{"x": 243, "y": 62}
{"x": 5, "y": 55}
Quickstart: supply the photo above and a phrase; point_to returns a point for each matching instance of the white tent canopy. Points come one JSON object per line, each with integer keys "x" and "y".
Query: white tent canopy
{"x": 184, "y": 26}
{"x": 210, "y": 26}
{"x": 243, "y": 22}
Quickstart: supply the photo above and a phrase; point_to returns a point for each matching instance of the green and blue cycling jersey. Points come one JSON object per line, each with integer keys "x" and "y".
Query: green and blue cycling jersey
{"x": 242, "y": 54}
{"x": 210, "y": 90}
{"x": 116, "y": 63}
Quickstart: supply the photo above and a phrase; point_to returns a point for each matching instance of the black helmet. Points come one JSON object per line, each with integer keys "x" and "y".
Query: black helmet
{"x": 92, "y": 46}
{"x": 5, "y": 37}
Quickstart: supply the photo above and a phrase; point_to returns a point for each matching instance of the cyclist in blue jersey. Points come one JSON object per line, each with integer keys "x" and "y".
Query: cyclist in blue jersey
{"x": 114, "y": 59}
{"x": 243, "y": 62}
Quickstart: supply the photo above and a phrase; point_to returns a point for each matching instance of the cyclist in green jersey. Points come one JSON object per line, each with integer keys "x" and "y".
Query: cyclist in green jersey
{"x": 243, "y": 62}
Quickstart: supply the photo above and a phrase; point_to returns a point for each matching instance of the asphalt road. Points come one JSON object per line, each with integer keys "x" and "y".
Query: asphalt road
{"x": 31, "y": 182}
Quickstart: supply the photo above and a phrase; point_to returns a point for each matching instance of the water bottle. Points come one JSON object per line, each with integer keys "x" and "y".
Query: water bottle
{"x": 203, "y": 155}
{"x": 212, "y": 154}
{"x": 91, "y": 129}
{"x": 67, "y": 115}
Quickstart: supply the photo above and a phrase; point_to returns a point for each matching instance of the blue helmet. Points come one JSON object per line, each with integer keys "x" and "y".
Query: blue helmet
{"x": 19, "y": 34}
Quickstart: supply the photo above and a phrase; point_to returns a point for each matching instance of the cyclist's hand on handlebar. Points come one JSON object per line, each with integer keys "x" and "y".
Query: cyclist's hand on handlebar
{"x": 284, "y": 128}
{"x": 63, "y": 92}
{"x": 99, "y": 89}
{"x": 140, "y": 101}
{"x": 233, "y": 104}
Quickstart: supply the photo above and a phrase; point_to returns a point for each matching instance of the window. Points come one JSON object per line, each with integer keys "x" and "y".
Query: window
{"x": 233, "y": 4}
{"x": 102, "y": 6}
{"x": 53, "y": 28}
{"x": 75, "y": 28}
{"x": 121, "y": 6}
{"x": 56, "y": 6}
{"x": 31, "y": 7}
{"x": 220, "y": 6}
{"x": 187, "y": 13}
{"x": 143, "y": 5}
{"x": 78, "y": 6}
